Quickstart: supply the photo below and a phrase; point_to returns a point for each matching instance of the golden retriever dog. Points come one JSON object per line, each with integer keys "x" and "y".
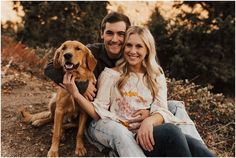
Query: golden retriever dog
{"x": 76, "y": 58}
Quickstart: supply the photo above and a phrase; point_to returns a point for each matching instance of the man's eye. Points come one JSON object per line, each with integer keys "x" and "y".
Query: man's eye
{"x": 121, "y": 33}
{"x": 109, "y": 33}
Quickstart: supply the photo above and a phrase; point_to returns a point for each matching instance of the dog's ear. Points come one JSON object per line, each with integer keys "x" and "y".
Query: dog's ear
{"x": 91, "y": 61}
{"x": 56, "y": 60}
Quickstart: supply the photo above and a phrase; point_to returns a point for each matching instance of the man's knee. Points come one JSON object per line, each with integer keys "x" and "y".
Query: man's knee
{"x": 173, "y": 105}
{"x": 166, "y": 130}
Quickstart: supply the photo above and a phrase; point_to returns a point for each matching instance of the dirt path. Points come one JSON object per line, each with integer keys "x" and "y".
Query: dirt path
{"x": 21, "y": 140}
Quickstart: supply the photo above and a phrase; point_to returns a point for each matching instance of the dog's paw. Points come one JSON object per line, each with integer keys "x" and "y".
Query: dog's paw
{"x": 37, "y": 123}
{"x": 25, "y": 115}
{"x": 53, "y": 153}
{"x": 80, "y": 149}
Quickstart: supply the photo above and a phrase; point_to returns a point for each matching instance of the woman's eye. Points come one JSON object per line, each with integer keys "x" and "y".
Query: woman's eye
{"x": 139, "y": 46}
{"x": 128, "y": 45}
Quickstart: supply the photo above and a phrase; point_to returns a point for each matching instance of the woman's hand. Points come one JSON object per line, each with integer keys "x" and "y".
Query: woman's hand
{"x": 139, "y": 115}
{"x": 145, "y": 135}
{"x": 69, "y": 84}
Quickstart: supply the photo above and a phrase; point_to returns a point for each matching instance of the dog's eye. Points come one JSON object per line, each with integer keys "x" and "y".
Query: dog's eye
{"x": 77, "y": 48}
{"x": 64, "y": 48}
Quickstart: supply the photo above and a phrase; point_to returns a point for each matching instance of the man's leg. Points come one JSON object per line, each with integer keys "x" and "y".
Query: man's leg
{"x": 197, "y": 148}
{"x": 116, "y": 136}
{"x": 178, "y": 109}
{"x": 169, "y": 142}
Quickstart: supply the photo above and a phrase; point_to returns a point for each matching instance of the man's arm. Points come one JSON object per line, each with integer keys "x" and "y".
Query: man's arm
{"x": 57, "y": 76}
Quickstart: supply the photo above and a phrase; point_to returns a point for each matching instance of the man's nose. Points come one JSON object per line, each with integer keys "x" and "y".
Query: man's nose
{"x": 115, "y": 38}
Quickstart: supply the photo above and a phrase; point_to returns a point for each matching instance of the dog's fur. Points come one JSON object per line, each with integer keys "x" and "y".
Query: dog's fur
{"x": 77, "y": 59}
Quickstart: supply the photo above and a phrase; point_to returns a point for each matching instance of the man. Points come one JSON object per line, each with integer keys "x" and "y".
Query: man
{"x": 113, "y": 28}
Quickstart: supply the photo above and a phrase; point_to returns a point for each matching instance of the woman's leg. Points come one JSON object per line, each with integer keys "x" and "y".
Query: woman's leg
{"x": 169, "y": 142}
{"x": 197, "y": 148}
{"x": 116, "y": 136}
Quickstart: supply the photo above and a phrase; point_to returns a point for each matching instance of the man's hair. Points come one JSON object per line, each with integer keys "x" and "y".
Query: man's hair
{"x": 114, "y": 17}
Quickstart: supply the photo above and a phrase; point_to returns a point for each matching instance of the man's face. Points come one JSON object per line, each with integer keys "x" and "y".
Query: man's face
{"x": 113, "y": 36}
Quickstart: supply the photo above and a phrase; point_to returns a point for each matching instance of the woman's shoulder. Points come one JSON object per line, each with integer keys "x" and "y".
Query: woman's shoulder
{"x": 110, "y": 72}
{"x": 108, "y": 75}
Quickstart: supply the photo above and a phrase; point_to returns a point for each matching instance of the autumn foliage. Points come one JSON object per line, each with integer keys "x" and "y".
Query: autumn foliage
{"x": 17, "y": 54}
{"x": 212, "y": 113}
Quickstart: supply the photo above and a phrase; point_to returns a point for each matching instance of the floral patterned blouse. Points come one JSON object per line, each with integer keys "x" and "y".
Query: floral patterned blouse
{"x": 109, "y": 103}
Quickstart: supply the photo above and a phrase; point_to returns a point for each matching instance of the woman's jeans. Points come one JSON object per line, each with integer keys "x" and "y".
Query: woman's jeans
{"x": 169, "y": 140}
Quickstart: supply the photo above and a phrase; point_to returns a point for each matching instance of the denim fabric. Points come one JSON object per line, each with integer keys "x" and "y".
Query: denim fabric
{"x": 116, "y": 136}
{"x": 100, "y": 133}
{"x": 171, "y": 142}
{"x": 177, "y": 108}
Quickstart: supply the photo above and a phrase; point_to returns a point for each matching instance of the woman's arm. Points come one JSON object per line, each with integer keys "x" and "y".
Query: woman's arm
{"x": 99, "y": 108}
{"x": 158, "y": 115}
{"x": 87, "y": 106}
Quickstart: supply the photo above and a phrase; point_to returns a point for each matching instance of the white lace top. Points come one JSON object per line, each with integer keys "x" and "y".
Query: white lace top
{"x": 109, "y": 103}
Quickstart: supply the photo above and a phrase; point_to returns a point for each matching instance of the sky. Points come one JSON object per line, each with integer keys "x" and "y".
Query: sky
{"x": 138, "y": 11}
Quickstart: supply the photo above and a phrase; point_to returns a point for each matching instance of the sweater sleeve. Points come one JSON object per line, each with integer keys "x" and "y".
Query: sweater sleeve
{"x": 102, "y": 101}
{"x": 160, "y": 104}
{"x": 57, "y": 76}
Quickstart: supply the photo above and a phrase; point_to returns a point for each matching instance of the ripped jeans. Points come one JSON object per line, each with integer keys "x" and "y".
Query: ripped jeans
{"x": 169, "y": 141}
{"x": 102, "y": 132}
{"x": 113, "y": 135}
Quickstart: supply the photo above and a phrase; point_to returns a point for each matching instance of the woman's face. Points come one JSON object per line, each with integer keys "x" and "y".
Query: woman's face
{"x": 135, "y": 51}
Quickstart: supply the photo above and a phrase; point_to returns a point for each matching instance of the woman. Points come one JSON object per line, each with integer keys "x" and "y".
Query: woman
{"x": 137, "y": 82}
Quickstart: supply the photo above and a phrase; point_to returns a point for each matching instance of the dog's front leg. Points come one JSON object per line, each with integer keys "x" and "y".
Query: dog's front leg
{"x": 53, "y": 152}
{"x": 80, "y": 149}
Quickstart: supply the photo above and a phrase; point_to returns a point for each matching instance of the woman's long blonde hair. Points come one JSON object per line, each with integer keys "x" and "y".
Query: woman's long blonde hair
{"x": 149, "y": 64}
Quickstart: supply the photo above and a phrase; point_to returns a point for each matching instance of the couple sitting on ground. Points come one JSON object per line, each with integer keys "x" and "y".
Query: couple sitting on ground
{"x": 131, "y": 87}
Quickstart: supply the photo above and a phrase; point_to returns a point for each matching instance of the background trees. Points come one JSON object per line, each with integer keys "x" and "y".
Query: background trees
{"x": 197, "y": 47}
{"x": 49, "y": 23}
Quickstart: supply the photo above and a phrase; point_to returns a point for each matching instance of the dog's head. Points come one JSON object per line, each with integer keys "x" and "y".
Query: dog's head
{"x": 72, "y": 55}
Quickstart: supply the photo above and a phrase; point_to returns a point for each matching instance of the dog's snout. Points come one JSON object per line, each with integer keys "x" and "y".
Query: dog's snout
{"x": 68, "y": 56}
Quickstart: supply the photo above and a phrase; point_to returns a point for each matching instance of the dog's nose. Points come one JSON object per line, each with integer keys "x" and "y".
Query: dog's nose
{"x": 68, "y": 56}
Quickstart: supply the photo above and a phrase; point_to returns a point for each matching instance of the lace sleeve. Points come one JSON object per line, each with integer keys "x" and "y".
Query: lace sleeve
{"x": 102, "y": 101}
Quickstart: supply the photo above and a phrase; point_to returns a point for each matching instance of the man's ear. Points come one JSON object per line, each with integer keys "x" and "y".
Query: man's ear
{"x": 101, "y": 35}
{"x": 91, "y": 61}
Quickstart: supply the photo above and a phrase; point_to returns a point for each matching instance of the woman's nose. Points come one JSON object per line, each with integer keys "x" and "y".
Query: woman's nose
{"x": 133, "y": 50}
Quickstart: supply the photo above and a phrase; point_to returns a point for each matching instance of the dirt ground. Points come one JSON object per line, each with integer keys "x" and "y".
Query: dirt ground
{"x": 19, "y": 90}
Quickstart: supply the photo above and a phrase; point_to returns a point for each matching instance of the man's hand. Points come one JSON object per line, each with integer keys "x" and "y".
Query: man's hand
{"x": 135, "y": 123}
{"x": 90, "y": 93}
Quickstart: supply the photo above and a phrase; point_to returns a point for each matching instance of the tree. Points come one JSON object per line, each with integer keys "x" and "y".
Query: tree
{"x": 200, "y": 47}
{"x": 49, "y": 23}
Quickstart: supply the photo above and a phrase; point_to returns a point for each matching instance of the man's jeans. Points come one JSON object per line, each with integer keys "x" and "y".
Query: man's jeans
{"x": 177, "y": 108}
